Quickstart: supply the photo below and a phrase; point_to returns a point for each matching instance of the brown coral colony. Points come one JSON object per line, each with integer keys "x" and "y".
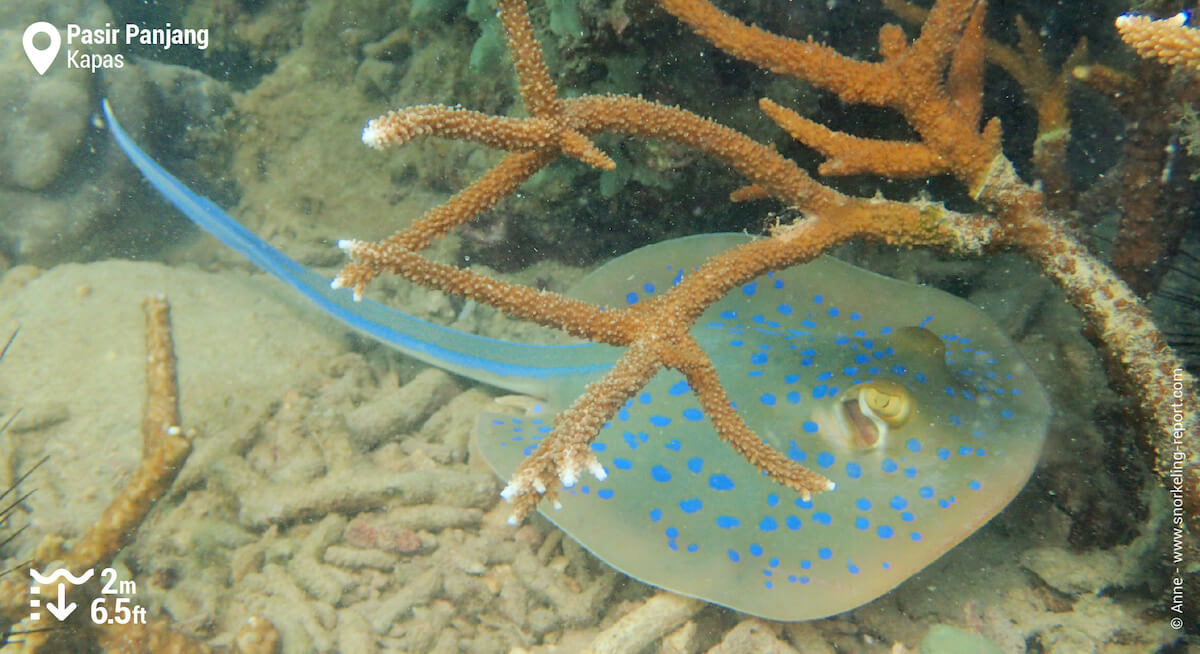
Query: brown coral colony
{"x": 934, "y": 82}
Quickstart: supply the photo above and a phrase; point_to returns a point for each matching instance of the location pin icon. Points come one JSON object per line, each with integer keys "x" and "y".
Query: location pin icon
{"x": 41, "y": 58}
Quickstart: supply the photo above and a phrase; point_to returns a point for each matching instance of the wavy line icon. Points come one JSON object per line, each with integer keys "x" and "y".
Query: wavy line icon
{"x": 61, "y": 572}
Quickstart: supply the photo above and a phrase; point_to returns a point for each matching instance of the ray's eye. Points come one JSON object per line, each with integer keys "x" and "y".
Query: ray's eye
{"x": 889, "y": 402}
{"x": 868, "y": 412}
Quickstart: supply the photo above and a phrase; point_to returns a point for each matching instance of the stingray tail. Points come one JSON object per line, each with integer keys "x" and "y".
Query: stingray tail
{"x": 518, "y": 367}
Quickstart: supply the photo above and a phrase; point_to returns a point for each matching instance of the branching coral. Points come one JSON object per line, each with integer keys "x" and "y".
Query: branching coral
{"x": 935, "y": 83}
{"x": 1169, "y": 40}
{"x": 165, "y": 448}
{"x": 1046, "y": 90}
{"x": 1156, "y": 196}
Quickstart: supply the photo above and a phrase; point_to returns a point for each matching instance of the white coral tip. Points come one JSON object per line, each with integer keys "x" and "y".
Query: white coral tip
{"x": 830, "y": 486}
{"x": 512, "y": 520}
{"x": 557, "y": 505}
{"x": 597, "y": 470}
{"x": 338, "y": 282}
{"x": 347, "y": 245}
{"x": 568, "y": 477}
{"x": 372, "y": 135}
{"x": 509, "y": 492}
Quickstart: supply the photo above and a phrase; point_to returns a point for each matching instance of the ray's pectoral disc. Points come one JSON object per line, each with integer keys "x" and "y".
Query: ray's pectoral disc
{"x": 912, "y": 401}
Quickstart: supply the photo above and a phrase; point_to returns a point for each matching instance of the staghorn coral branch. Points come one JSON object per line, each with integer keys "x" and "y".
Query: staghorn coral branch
{"x": 964, "y": 77}
{"x": 594, "y": 114}
{"x": 462, "y": 207}
{"x": 537, "y": 90}
{"x": 908, "y": 80}
{"x": 399, "y": 127}
{"x": 652, "y": 342}
{"x": 880, "y": 84}
{"x": 776, "y": 176}
{"x": 1025, "y": 63}
{"x": 1134, "y": 345}
{"x": 687, "y": 357}
{"x": 846, "y": 154}
{"x": 565, "y": 454}
{"x": 935, "y": 83}
{"x": 620, "y": 114}
{"x": 166, "y": 446}
{"x": 543, "y": 307}
{"x": 1045, "y": 88}
{"x": 1154, "y": 201}
{"x": 1136, "y": 349}
{"x": 854, "y": 81}
{"x": 1169, "y": 40}
{"x": 666, "y": 343}
{"x": 160, "y": 418}
{"x": 851, "y": 155}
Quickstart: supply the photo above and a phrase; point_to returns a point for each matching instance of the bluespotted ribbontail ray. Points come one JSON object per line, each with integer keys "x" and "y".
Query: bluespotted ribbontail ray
{"x": 911, "y": 400}
{"x": 928, "y": 434}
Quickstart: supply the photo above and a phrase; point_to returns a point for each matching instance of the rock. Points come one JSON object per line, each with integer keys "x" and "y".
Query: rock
{"x": 948, "y": 639}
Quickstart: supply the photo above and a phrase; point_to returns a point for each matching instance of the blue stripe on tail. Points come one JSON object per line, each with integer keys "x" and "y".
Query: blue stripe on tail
{"x": 516, "y": 366}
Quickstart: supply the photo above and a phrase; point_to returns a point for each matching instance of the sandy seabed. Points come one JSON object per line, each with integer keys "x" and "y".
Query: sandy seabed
{"x": 333, "y": 490}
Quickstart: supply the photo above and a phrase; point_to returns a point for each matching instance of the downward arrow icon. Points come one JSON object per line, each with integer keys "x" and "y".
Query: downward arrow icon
{"x": 62, "y": 609}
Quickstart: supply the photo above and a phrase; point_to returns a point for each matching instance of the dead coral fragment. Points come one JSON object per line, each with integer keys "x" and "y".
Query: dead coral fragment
{"x": 165, "y": 448}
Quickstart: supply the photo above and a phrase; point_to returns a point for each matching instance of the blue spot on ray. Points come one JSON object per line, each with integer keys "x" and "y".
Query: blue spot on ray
{"x": 721, "y": 482}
